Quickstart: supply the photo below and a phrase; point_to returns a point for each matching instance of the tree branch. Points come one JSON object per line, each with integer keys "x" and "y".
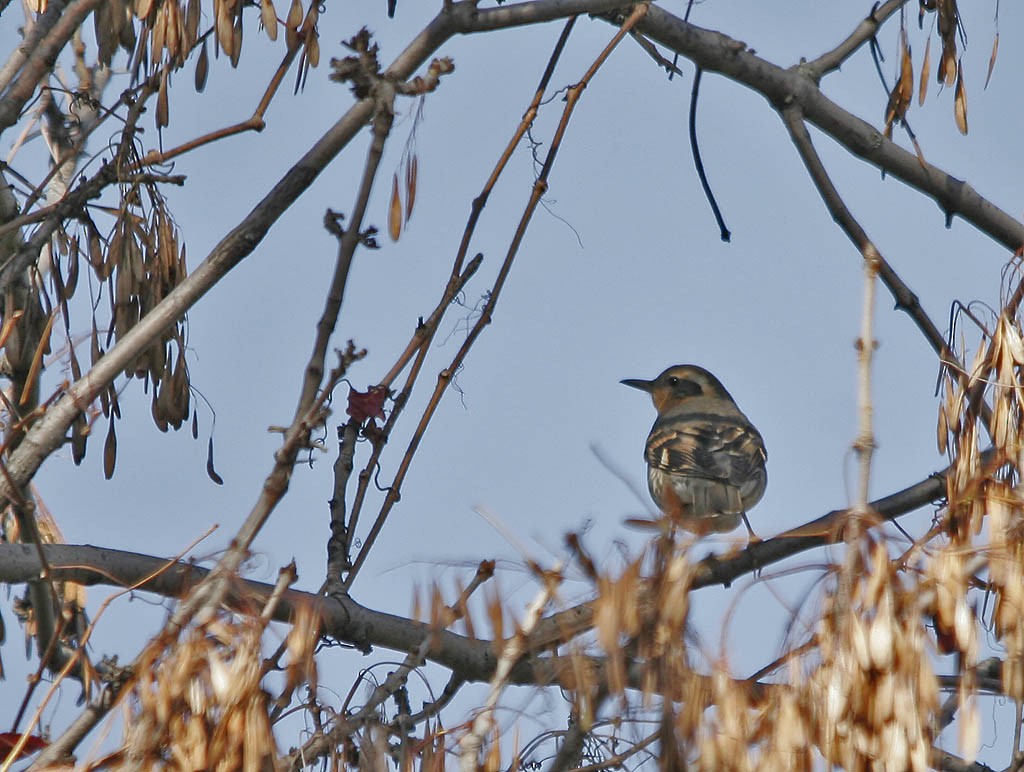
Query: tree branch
{"x": 715, "y": 52}
{"x": 833, "y": 60}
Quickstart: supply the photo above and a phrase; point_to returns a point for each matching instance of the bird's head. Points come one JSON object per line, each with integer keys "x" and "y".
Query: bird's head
{"x": 678, "y": 384}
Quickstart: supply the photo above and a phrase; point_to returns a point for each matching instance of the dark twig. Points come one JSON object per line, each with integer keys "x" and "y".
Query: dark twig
{"x": 695, "y": 148}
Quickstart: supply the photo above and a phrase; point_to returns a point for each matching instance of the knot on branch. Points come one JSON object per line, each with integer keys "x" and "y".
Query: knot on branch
{"x": 333, "y": 224}
{"x": 362, "y": 70}
{"x": 424, "y": 84}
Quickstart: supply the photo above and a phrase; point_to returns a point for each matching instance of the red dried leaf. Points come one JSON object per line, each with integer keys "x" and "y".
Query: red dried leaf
{"x": 32, "y": 744}
{"x": 367, "y": 404}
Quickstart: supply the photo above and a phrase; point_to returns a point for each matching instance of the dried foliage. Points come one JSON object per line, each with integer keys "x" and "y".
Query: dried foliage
{"x": 197, "y": 700}
{"x": 861, "y": 691}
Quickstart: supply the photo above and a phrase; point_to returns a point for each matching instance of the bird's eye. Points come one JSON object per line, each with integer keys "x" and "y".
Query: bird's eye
{"x": 673, "y": 381}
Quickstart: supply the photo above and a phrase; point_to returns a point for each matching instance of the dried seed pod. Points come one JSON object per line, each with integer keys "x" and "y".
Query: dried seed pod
{"x": 411, "y": 175}
{"x": 926, "y": 71}
{"x": 156, "y": 409}
{"x": 312, "y": 47}
{"x": 960, "y": 102}
{"x": 268, "y": 15}
{"x": 291, "y": 32}
{"x": 162, "y": 105}
{"x": 236, "y": 40}
{"x": 881, "y": 642}
{"x": 110, "y": 452}
{"x": 192, "y": 18}
{"x": 79, "y": 436}
{"x": 395, "y": 211}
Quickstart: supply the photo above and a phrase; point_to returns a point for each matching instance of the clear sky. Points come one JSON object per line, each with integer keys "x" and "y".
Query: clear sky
{"x": 621, "y": 274}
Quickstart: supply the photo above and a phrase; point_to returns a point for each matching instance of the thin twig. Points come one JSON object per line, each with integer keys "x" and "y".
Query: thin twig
{"x": 695, "y": 151}
{"x": 460, "y": 275}
{"x": 445, "y": 377}
{"x": 254, "y": 123}
{"x": 866, "y": 30}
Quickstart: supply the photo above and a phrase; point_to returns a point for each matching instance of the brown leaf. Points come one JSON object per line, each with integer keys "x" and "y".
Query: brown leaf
{"x": 926, "y": 70}
{"x": 992, "y": 59}
{"x": 142, "y": 9}
{"x": 9, "y": 740}
{"x": 411, "y": 174}
{"x": 395, "y": 211}
{"x": 960, "y": 103}
{"x": 110, "y": 452}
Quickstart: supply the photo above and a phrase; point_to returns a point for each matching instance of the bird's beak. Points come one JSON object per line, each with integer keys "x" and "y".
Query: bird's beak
{"x": 637, "y": 383}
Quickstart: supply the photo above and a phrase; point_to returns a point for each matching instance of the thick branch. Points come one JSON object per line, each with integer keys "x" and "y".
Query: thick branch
{"x": 347, "y": 620}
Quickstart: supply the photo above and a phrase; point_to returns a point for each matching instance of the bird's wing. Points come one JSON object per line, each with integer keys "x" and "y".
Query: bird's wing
{"x": 708, "y": 446}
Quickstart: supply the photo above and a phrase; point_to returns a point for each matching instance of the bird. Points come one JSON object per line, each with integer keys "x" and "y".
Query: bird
{"x": 705, "y": 459}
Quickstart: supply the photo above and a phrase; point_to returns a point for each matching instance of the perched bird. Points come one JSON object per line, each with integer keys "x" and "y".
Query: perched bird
{"x": 705, "y": 460}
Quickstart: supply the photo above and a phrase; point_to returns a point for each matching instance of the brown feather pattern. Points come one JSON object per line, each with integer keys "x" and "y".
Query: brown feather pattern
{"x": 705, "y": 460}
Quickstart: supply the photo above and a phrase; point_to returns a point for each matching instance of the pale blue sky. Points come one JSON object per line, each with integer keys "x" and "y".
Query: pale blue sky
{"x": 774, "y": 314}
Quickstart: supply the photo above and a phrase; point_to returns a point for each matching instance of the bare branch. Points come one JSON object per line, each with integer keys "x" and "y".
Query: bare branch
{"x": 833, "y": 60}
{"x": 715, "y": 52}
